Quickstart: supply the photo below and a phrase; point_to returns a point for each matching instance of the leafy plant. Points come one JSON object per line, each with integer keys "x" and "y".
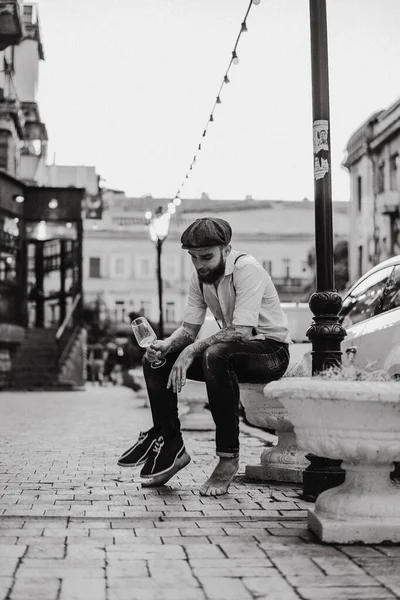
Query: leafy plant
{"x": 338, "y": 373}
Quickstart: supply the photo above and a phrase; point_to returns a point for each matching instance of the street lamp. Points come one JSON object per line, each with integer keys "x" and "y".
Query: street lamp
{"x": 158, "y": 225}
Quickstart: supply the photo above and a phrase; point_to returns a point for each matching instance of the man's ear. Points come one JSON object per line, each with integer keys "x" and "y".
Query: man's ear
{"x": 228, "y": 249}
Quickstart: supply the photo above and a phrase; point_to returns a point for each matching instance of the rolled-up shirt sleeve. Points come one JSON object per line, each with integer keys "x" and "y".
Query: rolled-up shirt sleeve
{"x": 251, "y": 282}
{"x": 196, "y": 308}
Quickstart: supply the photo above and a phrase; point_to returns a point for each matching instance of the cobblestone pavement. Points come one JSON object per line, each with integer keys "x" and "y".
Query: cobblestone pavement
{"x": 75, "y": 526}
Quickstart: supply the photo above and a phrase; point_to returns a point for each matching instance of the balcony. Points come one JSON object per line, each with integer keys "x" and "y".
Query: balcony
{"x": 388, "y": 202}
{"x": 11, "y": 27}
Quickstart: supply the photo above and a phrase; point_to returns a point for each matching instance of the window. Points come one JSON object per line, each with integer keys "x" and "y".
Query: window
{"x": 4, "y": 150}
{"x": 366, "y": 299}
{"x": 360, "y": 261}
{"x": 119, "y": 311}
{"x": 94, "y": 268}
{"x": 145, "y": 308}
{"x": 391, "y": 297}
{"x": 393, "y": 171}
{"x": 267, "y": 264}
{"x": 28, "y": 14}
{"x": 170, "y": 312}
{"x": 286, "y": 264}
{"x": 145, "y": 267}
{"x": 381, "y": 177}
{"x": 119, "y": 266}
{"x": 8, "y": 266}
{"x": 9, "y": 248}
{"x": 171, "y": 267}
{"x": 359, "y": 192}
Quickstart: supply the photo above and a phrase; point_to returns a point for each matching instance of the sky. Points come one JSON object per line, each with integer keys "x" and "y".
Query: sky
{"x": 128, "y": 86}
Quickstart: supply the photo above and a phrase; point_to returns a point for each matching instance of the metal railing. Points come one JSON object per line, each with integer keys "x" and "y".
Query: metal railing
{"x": 65, "y": 335}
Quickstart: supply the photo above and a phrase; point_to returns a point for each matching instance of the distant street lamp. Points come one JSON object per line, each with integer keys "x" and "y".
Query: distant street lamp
{"x": 158, "y": 225}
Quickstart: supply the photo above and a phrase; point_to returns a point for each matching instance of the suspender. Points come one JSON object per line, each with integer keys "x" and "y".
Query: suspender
{"x": 233, "y": 282}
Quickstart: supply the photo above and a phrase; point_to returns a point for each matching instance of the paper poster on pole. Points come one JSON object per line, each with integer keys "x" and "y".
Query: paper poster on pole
{"x": 321, "y": 148}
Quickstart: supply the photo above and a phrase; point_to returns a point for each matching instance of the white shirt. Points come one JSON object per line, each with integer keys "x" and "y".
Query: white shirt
{"x": 245, "y": 296}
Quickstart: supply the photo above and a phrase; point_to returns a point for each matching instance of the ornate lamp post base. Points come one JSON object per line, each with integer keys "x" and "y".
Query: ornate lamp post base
{"x": 326, "y": 335}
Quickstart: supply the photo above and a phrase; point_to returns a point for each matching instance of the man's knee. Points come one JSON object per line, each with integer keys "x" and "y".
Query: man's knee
{"x": 213, "y": 355}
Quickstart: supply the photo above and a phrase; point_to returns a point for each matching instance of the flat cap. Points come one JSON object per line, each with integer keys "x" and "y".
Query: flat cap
{"x": 206, "y": 231}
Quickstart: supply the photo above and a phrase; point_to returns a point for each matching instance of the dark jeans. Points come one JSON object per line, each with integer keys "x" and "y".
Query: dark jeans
{"x": 222, "y": 366}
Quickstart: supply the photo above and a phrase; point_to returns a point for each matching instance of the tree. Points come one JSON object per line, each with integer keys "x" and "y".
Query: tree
{"x": 340, "y": 265}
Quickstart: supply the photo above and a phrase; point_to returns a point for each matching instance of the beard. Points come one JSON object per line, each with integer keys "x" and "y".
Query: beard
{"x": 213, "y": 274}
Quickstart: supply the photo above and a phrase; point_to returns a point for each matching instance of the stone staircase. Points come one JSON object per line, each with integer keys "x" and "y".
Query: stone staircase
{"x": 34, "y": 364}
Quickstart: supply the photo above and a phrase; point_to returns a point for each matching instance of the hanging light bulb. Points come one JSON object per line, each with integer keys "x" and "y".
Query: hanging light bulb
{"x": 147, "y": 215}
{"x": 256, "y": 2}
{"x": 218, "y": 100}
{"x": 199, "y": 148}
{"x": 204, "y": 133}
{"x": 177, "y": 201}
{"x": 235, "y": 58}
{"x": 226, "y": 79}
{"x": 171, "y": 208}
{"x": 211, "y": 118}
{"x": 244, "y": 27}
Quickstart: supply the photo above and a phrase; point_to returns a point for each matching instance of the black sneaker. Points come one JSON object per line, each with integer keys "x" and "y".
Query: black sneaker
{"x": 163, "y": 456}
{"x": 139, "y": 452}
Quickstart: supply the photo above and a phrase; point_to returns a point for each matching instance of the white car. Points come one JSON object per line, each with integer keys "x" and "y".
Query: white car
{"x": 371, "y": 316}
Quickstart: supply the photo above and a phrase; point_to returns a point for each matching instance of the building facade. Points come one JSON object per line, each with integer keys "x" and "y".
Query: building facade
{"x": 40, "y": 226}
{"x": 373, "y": 164}
{"x": 120, "y": 260}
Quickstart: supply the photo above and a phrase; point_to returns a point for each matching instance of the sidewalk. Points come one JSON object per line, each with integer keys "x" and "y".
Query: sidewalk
{"x": 75, "y": 526}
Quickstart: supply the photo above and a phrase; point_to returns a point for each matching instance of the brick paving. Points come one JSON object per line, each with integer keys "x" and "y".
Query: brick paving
{"x": 75, "y": 526}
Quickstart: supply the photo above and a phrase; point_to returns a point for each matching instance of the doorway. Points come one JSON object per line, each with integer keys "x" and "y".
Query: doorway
{"x": 53, "y": 274}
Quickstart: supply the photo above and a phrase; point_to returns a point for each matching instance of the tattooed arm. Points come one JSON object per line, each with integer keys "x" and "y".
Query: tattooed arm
{"x": 180, "y": 339}
{"x": 177, "y": 377}
{"x": 183, "y": 336}
{"x": 234, "y": 333}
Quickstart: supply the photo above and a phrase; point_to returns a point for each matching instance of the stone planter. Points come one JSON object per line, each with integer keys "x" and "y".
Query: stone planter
{"x": 284, "y": 462}
{"x": 358, "y": 422}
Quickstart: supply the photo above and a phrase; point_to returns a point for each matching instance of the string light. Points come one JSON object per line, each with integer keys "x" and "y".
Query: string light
{"x": 234, "y": 60}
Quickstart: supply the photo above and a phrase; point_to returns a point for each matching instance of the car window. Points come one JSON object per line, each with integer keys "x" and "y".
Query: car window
{"x": 366, "y": 298}
{"x": 391, "y": 296}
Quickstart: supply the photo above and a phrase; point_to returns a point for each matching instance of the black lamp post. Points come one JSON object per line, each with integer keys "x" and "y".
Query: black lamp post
{"x": 325, "y": 332}
{"x": 158, "y": 225}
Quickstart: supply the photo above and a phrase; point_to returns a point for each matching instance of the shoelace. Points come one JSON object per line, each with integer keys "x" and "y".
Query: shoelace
{"x": 158, "y": 444}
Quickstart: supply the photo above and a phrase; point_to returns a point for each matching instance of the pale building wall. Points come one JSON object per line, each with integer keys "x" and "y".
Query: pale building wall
{"x": 375, "y": 224}
{"x": 26, "y": 64}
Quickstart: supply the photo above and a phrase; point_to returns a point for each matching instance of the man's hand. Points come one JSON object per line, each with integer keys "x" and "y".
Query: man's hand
{"x": 157, "y": 350}
{"x": 177, "y": 377}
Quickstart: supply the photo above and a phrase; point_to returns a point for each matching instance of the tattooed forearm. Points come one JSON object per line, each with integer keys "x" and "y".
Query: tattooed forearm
{"x": 230, "y": 334}
{"x": 180, "y": 339}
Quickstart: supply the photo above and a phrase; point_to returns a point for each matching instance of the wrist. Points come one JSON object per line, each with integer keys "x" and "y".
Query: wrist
{"x": 195, "y": 348}
{"x": 190, "y": 349}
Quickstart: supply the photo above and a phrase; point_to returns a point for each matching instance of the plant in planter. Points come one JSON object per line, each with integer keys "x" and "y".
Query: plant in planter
{"x": 353, "y": 416}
